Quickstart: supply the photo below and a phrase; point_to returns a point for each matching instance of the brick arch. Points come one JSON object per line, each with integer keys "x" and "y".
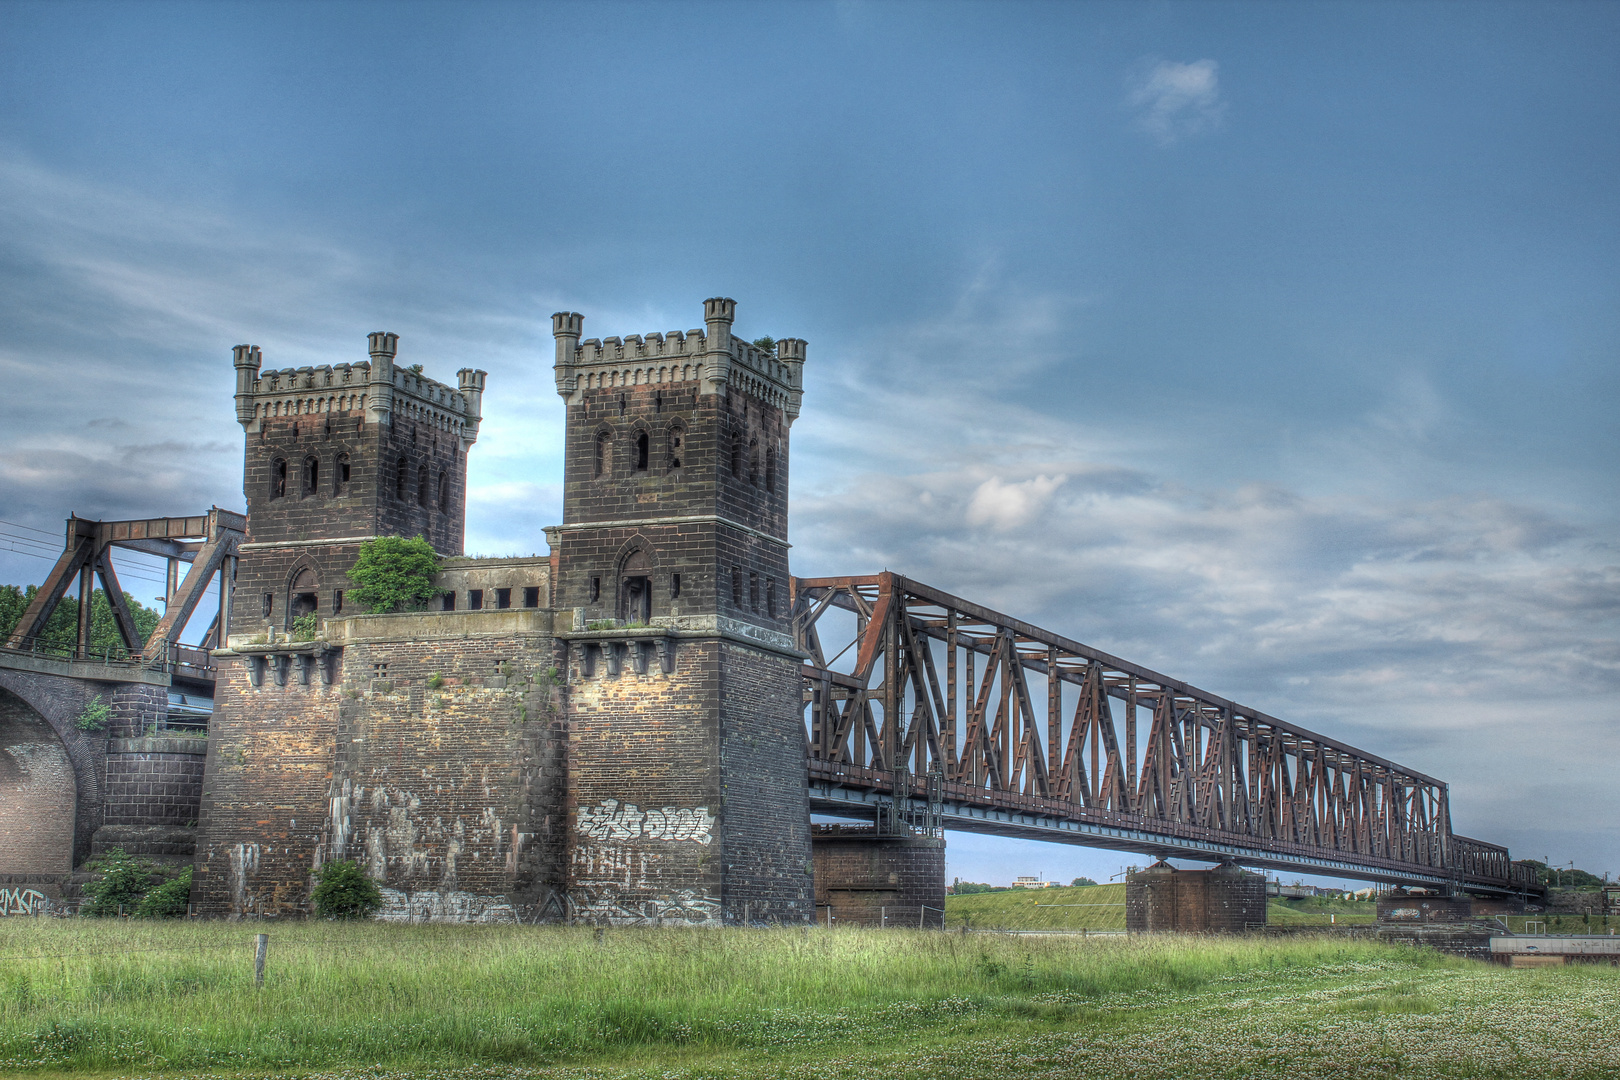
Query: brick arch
{"x": 635, "y": 567}
{"x": 303, "y": 577}
{"x": 57, "y": 702}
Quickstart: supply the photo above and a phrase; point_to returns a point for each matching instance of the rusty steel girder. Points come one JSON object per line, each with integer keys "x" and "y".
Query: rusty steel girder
{"x": 1019, "y": 724}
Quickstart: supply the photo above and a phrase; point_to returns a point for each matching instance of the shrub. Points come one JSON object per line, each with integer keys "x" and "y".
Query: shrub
{"x": 170, "y": 900}
{"x": 304, "y": 627}
{"x": 394, "y": 574}
{"x": 122, "y": 883}
{"x": 345, "y": 892}
{"x": 95, "y": 715}
{"x": 1082, "y": 881}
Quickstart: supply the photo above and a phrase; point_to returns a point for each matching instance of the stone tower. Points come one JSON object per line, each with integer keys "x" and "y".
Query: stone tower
{"x": 672, "y": 580}
{"x": 337, "y": 455}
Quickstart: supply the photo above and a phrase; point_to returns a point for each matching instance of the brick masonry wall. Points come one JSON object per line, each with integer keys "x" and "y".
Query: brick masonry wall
{"x": 1220, "y": 900}
{"x": 59, "y": 702}
{"x": 765, "y": 814}
{"x": 438, "y": 765}
{"x": 645, "y": 790}
{"x": 866, "y": 880}
{"x": 154, "y": 781}
{"x": 265, "y": 790}
{"x": 37, "y": 793}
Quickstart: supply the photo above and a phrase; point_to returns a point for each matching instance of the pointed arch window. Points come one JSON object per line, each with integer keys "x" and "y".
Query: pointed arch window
{"x": 604, "y": 453}
{"x": 641, "y": 451}
{"x": 312, "y": 476}
{"x": 444, "y": 492}
{"x": 422, "y": 489}
{"x": 340, "y": 481}
{"x": 278, "y": 478}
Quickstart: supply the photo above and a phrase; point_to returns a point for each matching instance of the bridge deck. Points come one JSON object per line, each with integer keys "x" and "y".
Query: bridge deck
{"x": 955, "y": 715}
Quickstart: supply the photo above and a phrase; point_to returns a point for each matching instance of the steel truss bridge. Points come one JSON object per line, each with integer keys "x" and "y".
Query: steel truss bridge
{"x": 953, "y": 715}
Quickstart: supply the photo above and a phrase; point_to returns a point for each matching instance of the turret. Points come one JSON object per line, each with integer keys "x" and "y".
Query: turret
{"x": 246, "y": 360}
{"x": 718, "y": 314}
{"x": 790, "y": 351}
{"x": 471, "y": 381}
{"x": 380, "y": 402}
{"x": 566, "y": 327}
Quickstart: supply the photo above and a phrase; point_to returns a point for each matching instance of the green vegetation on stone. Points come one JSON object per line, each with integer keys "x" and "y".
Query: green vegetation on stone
{"x": 95, "y": 715}
{"x": 170, "y": 900}
{"x": 393, "y": 573}
{"x": 120, "y": 884}
{"x": 343, "y": 891}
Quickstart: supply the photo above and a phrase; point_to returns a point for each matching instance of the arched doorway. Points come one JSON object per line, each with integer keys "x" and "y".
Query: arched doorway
{"x": 38, "y": 793}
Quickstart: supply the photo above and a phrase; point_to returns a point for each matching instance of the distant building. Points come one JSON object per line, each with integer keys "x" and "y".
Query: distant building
{"x": 1033, "y": 883}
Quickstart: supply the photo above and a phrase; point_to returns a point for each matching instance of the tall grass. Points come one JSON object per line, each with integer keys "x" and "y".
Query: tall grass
{"x": 84, "y": 994}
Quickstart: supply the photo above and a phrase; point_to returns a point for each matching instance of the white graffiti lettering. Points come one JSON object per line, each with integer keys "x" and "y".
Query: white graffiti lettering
{"x": 613, "y": 821}
{"x": 22, "y": 902}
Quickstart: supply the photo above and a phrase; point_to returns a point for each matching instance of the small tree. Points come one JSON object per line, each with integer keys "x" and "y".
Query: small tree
{"x": 394, "y": 574}
{"x": 122, "y": 883}
{"x": 343, "y": 891}
{"x": 1082, "y": 881}
{"x": 170, "y": 900}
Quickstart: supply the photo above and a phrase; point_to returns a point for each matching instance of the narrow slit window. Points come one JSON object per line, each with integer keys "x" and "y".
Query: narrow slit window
{"x": 677, "y": 445}
{"x": 337, "y": 601}
{"x": 596, "y": 589}
{"x": 278, "y": 478}
{"x": 341, "y": 480}
{"x": 444, "y": 492}
{"x": 736, "y": 456}
{"x": 312, "y": 476}
{"x": 641, "y": 452}
{"x": 753, "y": 592}
{"x": 770, "y": 597}
{"x": 674, "y": 586}
{"x": 604, "y": 453}
{"x": 422, "y": 485}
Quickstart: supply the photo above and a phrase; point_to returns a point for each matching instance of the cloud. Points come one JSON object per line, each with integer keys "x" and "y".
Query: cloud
{"x": 1173, "y": 101}
{"x": 1002, "y": 505}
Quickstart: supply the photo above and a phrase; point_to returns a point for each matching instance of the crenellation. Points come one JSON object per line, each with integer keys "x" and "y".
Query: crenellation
{"x": 503, "y": 755}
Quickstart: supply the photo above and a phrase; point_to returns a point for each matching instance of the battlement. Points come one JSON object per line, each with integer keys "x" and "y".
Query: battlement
{"x": 712, "y": 357}
{"x": 378, "y": 390}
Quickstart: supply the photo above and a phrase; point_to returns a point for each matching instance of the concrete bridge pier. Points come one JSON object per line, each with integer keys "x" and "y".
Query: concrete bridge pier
{"x": 1221, "y": 899}
{"x": 866, "y": 878}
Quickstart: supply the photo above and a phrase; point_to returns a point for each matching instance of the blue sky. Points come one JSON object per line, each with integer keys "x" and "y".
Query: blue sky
{"x": 1271, "y": 345}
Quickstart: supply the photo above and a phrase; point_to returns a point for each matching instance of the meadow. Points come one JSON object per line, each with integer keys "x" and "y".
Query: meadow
{"x": 141, "y": 999}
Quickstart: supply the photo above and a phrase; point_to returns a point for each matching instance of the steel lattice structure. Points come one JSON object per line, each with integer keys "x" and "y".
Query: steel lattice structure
{"x": 1025, "y": 732}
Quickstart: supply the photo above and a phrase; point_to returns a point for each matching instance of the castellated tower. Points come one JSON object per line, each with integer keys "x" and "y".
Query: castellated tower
{"x": 672, "y": 573}
{"x": 336, "y": 455}
{"x": 612, "y": 733}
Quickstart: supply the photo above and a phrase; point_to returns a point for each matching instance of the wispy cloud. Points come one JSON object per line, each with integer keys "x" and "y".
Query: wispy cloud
{"x": 1173, "y": 101}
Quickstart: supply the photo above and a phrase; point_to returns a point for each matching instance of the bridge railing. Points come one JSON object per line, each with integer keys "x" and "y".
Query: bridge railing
{"x": 907, "y": 678}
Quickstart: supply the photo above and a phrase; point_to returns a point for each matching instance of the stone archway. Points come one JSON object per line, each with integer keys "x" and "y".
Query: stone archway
{"x": 38, "y": 793}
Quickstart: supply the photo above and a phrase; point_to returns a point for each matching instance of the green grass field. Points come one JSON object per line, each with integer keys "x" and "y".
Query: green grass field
{"x": 344, "y": 1001}
{"x": 1090, "y": 907}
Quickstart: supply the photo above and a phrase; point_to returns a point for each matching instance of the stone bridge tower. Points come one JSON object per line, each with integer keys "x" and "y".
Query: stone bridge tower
{"x": 672, "y": 580}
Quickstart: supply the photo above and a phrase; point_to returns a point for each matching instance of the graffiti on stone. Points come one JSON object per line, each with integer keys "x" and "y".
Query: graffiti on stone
{"x": 611, "y": 820}
{"x": 605, "y": 903}
{"x": 23, "y": 902}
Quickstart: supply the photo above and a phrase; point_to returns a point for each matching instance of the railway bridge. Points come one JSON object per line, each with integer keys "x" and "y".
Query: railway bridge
{"x": 639, "y": 726}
